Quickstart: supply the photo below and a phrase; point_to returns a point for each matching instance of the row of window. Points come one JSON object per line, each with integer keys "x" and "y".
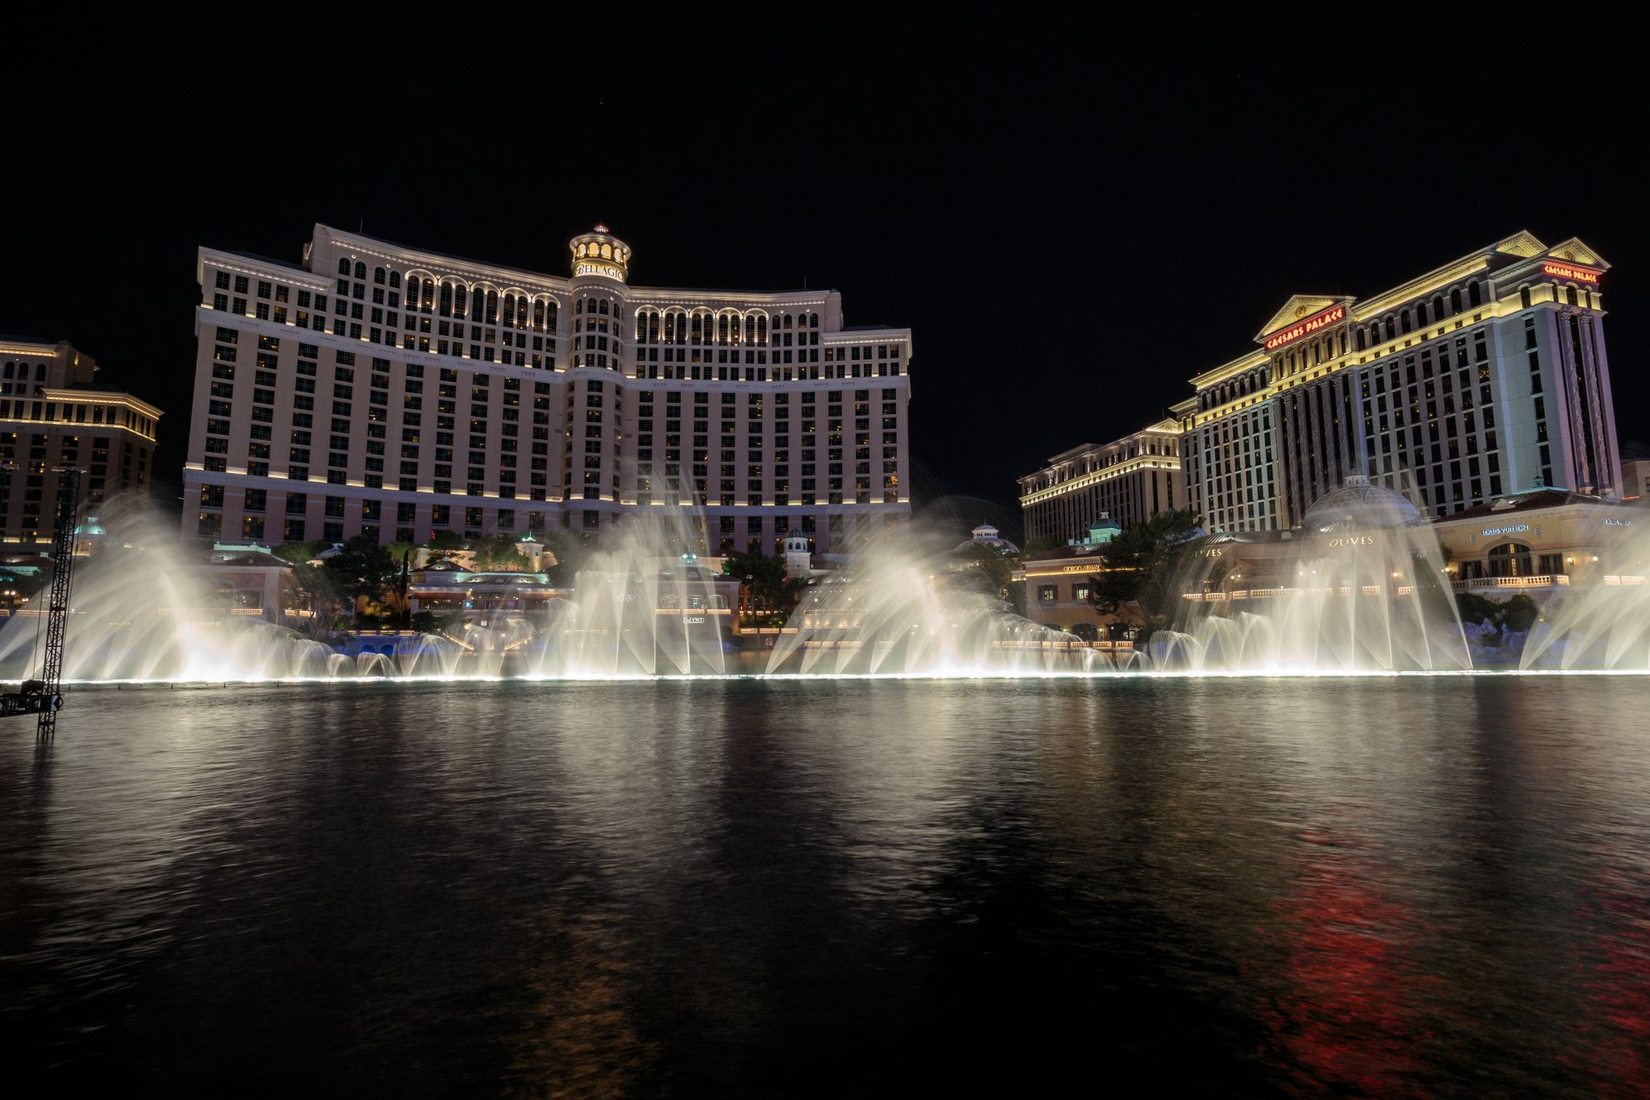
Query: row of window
{"x": 374, "y": 313}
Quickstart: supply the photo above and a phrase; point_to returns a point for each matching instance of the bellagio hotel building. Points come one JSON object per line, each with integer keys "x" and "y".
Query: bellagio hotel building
{"x": 393, "y": 392}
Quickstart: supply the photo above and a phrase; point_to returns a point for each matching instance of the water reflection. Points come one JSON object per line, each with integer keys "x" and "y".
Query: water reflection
{"x": 1376, "y": 886}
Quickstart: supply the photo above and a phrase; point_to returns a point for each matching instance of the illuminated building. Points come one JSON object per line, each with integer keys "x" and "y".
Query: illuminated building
{"x": 53, "y": 414}
{"x": 1129, "y": 479}
{"x": 1635, "y": 480}
{"x": 1544, "y": 539}
{"x": 394, "y": 392}
{"x": 1484, "y": 377}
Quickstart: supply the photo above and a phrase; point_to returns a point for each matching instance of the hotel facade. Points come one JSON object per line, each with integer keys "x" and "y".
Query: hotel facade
{"x": 1128, "y": 480}
{"x": 52, "y": 415}
{"x": 393, "y": 392}
{"x": 1480, "y": 379}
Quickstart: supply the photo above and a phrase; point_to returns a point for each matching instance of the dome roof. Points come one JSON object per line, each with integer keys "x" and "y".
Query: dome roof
{"x": 986, "y": 535}
{"x": 1359, "y": 506}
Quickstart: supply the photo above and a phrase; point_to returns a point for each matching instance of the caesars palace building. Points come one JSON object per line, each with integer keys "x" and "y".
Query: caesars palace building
{"x": 1479, "y": 379}
{"x": 396, "y": 393}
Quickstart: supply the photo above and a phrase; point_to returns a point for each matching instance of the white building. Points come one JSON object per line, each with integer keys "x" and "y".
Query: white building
{"x": 53, "y": 414}
{"x": 395, "y": 392}
{"x": 1481, "y": 378}
{"x": 1635, "y": 480}
{"x": 1132, "y": 479}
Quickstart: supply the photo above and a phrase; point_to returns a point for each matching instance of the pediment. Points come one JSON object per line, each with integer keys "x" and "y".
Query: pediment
{"x": 1296, "y": 308}
{"x": 1576, "y": 252}
{"x": 1523, "y": 243}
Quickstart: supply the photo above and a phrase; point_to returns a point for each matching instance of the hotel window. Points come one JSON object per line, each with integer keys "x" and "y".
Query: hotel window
{"x": 1047, "y": 593}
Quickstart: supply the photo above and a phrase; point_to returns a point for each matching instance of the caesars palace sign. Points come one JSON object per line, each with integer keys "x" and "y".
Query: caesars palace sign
{"x": 1571, "y": 271}
{"x": 1305, "y": 328}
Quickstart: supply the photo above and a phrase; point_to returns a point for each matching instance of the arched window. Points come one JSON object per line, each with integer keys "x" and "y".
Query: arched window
{"x": 360, "y": 270}
{"x": 1405, "y": 322}
{"x": 1455, "y": 300}
{"x": 1510, "y": 559}
{"x": 343, "y": 265}
{"x": 1473, "y": 295}
{"x": 1524, "y": 296}
{"x": 1570, "y": 294}
{"x": 1438, "y": 308}
{"x": 1391, "y": 327}
{"x": 1420, "y": 314}
{"x": 538, "y": 315}
{"x": 446, "y": 299}
{"x": 380, "y": 276}
{"x": 813, "y": 320}
{"x": 492, "y": 307}
{"x": 395, "y": 280}
{"x": 412, "y": 291}
{"x": 461, "y": 300}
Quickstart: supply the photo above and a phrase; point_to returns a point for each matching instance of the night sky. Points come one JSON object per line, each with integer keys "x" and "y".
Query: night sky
{"x": 1070, "y": 228}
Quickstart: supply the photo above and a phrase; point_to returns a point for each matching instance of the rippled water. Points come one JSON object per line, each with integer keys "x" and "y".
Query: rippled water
{"x": 1427, "y": 885}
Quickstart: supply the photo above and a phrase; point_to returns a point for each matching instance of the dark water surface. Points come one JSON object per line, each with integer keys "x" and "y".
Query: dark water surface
{"x": 1381, "y": 886}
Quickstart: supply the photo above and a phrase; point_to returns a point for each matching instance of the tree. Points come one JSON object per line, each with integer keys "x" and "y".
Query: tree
{"x": 1516, "y": 615}
{"x": 362, "y": 569}
{"x": 764, "y": 578}
{"x": 499, "y": 554}
{"x": 299, "y": 552}
{"x": 570, "y": 550}
{"x": 313, "y": 591}
{"x": 995, "y": 570}
{"x": 1519, "y": 613}
{"x": 397, "y": 550}
{"x": 1143, "y": 566}
{"x": 446, "y": 540}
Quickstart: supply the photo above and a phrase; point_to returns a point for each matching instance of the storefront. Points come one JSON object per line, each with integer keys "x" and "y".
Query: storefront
{"x": 1545, "y": 539}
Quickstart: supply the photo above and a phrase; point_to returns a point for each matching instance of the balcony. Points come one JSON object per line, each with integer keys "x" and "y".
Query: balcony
{"x": 1475, "y": 584}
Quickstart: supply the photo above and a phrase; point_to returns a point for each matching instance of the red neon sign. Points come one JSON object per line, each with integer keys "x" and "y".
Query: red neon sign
{"x": 1571, "y": 271}
{"x": 1305, "y": 328}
